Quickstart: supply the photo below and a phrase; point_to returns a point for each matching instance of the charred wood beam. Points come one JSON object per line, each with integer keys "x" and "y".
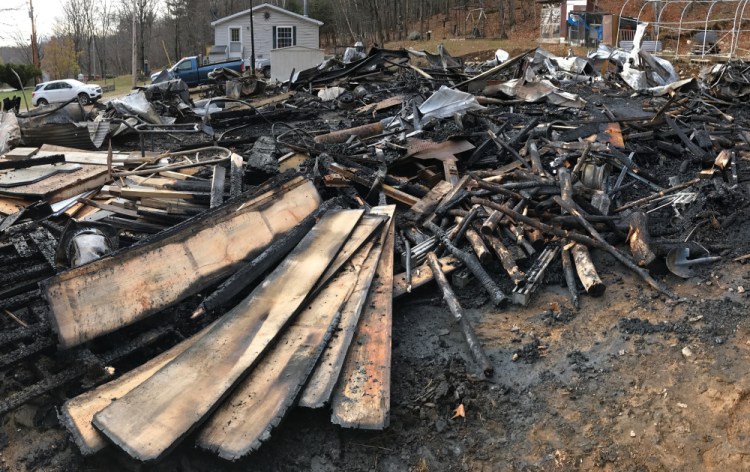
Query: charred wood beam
{"x": 458, "y": 313}
{"x": 573, "y": 210}
{"x": 368, "y": 181}
{"x": 490, "y": 223}
{"x": 639, "y": 239}
{"x": 409, "y": 187}
{"x": 26, "y": 350}
{"x": 34, "y": 271}
{"x": 587, "y": 271}
{"x": 22, "y": 299}
{"x": 497, "y": 188}
{"x": 23, "y": 332}
{"x": 465, "y": 224}
{"x": 696, "y": 151}
{"x": 477, "y": 245}
{"x": 471, "y": 262}
{"x": 577, "y": 237}
{"x": 35, "y": 161}
{"x": 79, "y": 369}
{"x": 570, "y": 278}
{"x": 506, "y": 258}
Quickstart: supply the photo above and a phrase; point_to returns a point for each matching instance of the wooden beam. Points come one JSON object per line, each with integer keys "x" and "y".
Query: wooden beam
{"x": 318, "y": 390}
{"x": 422, "y": 275}
{"x": 259, "y": 403}
{"x": 134, "y": 193}
{"x": 427, "y": 204}
{"x": 217, "y": 186}
{"x": 115, "y": 291}
{"x": 362, "y": 398}
{"x": 235, "y": 175}
{"x": 154, "y": 417}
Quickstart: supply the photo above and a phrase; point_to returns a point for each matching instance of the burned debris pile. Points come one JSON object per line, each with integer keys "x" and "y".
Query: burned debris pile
{"x": 179, "y": 269}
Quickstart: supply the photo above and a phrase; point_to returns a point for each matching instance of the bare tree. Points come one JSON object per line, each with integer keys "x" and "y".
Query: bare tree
{"x": 105, "y": 13}
{"x": 145, "y": 14}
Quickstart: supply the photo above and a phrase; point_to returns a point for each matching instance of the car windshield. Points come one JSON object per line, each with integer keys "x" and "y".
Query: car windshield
{"x": 74, "y": 83}
{"x": 38, "y": 87}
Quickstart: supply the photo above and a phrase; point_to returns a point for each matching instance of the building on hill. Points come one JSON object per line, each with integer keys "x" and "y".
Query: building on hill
{"x": 273, "y": 28}
{"x": 577, "y": 23}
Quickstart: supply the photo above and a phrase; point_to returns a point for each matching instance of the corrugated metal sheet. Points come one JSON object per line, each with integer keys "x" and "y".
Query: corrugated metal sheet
{"x": 85, "y": 135}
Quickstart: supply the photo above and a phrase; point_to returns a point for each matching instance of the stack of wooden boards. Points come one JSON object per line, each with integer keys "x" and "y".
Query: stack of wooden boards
{"x": 289, "y": 341}
{"x": 138, "y": 193}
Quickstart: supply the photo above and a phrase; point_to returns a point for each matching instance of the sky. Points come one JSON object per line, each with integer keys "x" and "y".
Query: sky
{"x": 17, "y": 20}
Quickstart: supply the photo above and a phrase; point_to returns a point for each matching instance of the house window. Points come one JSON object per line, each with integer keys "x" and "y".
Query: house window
{"x": 284, "y": 36}
{"x": 235, "y": 44}
{"x": 234, "y": 35}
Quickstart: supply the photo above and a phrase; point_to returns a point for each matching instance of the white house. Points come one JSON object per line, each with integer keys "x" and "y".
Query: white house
{"x": 273, "y": 28}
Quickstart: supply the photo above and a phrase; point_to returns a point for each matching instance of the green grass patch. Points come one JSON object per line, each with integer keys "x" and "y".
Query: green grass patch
{"x": 122, "y": 85}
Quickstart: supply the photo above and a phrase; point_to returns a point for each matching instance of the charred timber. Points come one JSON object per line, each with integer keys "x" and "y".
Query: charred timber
{"x": 471, "y": 262}
{"x": 580, "y": 238}
{"x": 458, "y": 313}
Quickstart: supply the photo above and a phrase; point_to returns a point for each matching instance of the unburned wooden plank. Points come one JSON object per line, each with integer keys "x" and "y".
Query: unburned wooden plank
{"x": 422, "y": 275}
{"x": 81, "y": 156}
{"x": 318, "y": 390}
{"x": 260, "y": 402}
{"x": 112, "y": 292}
{"x": 362, "y": 398}
{"x": 152, "y": 418}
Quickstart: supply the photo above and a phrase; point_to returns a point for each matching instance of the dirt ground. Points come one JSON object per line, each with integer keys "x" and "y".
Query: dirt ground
{"x": 630, "y": 382}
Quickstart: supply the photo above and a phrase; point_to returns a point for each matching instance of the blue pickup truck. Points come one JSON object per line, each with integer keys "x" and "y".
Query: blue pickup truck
{"x": 190, "y": 70}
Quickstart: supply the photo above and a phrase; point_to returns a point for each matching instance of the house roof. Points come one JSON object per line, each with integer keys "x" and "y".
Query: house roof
{"x": 262, "y": 6}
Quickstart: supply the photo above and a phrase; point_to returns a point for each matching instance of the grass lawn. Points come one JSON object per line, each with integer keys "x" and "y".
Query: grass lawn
{"x": 122, "y": 87}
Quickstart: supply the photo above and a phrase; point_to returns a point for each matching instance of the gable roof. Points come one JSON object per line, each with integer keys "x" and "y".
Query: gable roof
{"x": 266, "y": 5}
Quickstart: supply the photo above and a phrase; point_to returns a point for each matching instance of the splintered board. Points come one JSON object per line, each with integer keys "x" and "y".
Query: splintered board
{"x": 249, "y": 415}
{"x": 155, "y": 416}
{"x": 113, "y": 292}
{"x": 318, "y": 390}
{"x": 362, "y": 396}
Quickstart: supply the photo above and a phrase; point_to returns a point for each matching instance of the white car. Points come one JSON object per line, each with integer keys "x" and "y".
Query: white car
{"x": 58, "y": 91}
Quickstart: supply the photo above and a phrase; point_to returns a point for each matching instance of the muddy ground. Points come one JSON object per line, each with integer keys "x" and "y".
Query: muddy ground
{"x": 627, "y": 383}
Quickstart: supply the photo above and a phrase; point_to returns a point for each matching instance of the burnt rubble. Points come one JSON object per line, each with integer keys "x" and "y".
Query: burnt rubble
{"x": 136, "y": 232}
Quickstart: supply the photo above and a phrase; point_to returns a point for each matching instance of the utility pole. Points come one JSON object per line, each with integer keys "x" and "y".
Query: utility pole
{"x": 134, "y": 62}
{"x": 34, "y": 44}
{"x": 252, "y": 41}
